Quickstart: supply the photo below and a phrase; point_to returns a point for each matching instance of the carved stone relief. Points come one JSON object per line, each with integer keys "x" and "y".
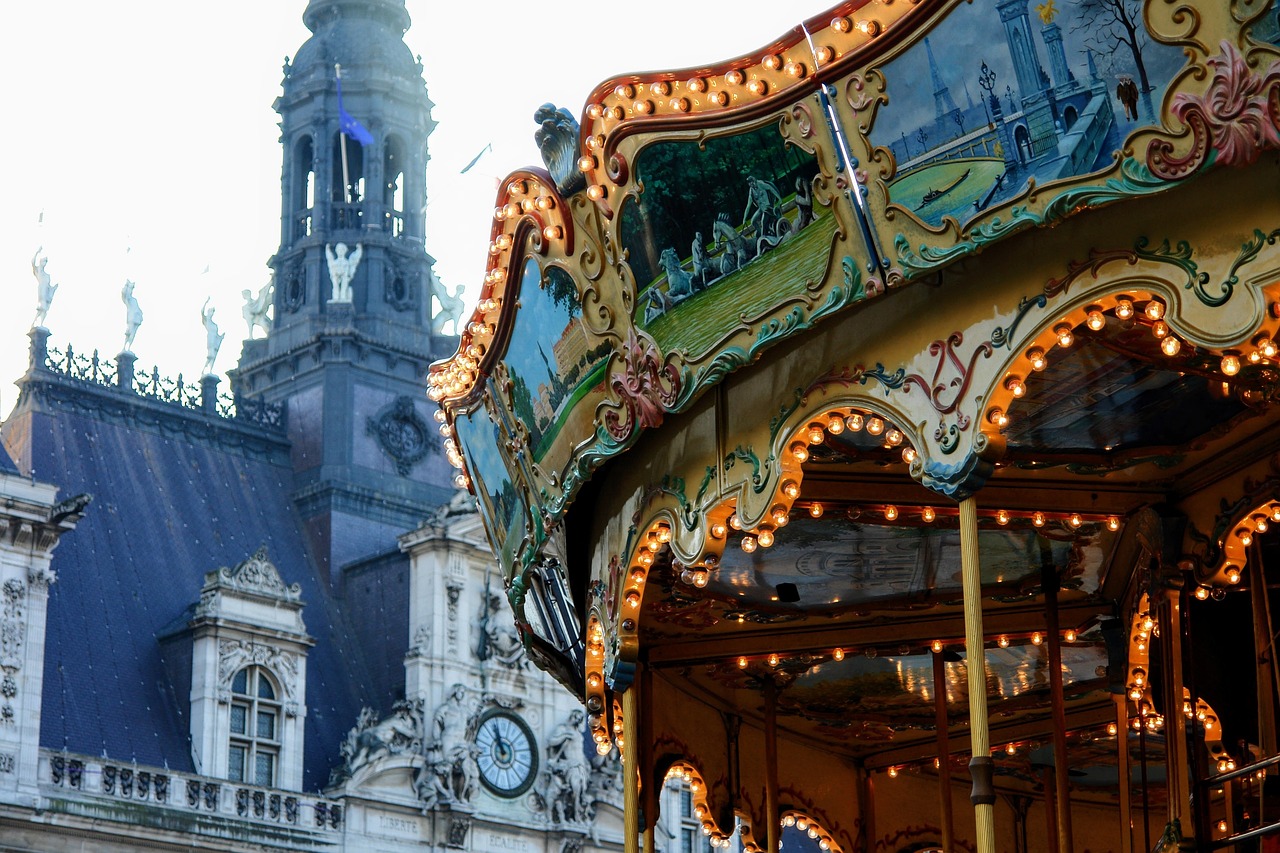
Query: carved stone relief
{"x": 402, "y": 434}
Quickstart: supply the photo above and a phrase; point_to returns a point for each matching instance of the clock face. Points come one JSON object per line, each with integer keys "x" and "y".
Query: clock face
{"x": 507, "y": 756}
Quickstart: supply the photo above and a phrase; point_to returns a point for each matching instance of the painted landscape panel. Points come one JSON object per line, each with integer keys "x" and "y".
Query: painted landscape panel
{"x": 1017, "y": 92}
{"x": 501, "y": 506}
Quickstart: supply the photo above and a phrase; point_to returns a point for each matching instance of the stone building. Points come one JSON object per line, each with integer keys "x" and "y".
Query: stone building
{"x": 270, "y": 623}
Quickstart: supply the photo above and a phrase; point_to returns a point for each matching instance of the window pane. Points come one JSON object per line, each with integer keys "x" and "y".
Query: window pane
{"x": 264, "y": 688}
{"x": 690, "y": 841}
{"x": 239, "y": 719}
{"x": 264, "y": 767}
{"x": 240, "y": 684}
{"x": 235, "y": 764}
{"x": 267, "y": 725}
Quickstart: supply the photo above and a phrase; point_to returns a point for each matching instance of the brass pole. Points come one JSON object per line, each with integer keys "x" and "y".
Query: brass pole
{"x": 773, "y": 827}
{"x": 983, "y": 795}
{"x": 1049, "y": 582}
{"x": 944, "y": 748}
{"x": 642, "y": 740}
{"x": 631, "y": 770}
{"x": 1124, "y": 773}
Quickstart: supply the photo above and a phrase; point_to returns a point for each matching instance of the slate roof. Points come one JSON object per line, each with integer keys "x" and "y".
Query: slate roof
{"x": 175, "y": 496}
{"x": 6, "y": 464}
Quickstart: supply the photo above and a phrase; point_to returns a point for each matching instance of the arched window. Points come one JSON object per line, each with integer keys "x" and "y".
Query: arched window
{"x": 254, "y": 748}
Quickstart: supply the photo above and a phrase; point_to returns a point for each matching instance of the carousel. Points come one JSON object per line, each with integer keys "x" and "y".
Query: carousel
{"x": 879, "y": 429}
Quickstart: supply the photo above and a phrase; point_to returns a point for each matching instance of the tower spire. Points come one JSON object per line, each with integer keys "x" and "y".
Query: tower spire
{"x": 945, "y": 109}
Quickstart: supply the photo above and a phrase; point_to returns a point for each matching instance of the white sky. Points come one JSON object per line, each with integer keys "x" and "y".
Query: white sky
{"x": 147, "y": 125}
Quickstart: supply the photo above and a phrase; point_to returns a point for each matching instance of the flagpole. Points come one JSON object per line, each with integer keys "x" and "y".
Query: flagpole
{"x": 346, "y": 178}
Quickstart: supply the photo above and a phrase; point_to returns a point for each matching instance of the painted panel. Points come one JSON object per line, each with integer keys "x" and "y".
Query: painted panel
{"x": 499, "y": 498}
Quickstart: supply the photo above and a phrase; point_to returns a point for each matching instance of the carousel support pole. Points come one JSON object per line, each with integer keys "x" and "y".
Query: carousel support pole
{"x": 867, "y": 809}
{"x": 1267, "y": 660}
{"x": 1049, "y": 583}
{"x": 1177, "y": 764}
{"x": 1124, "y": 773}
{"x": 944, "y": 748}
{"x": 1050, "y": 810}
{"x": 631, "y": 770}
{"x": 983, "y": 795}
{"x": 1146, "y": 792}
{"x": 773, "y": 827}
{"x": 644, "y": 758}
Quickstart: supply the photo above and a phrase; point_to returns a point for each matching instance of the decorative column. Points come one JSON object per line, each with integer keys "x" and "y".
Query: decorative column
{"x": 941, "y": 725}
{"x": 631, "y": 770}
{"x": 772, "y": 827}
{"x": 983, "y": 795}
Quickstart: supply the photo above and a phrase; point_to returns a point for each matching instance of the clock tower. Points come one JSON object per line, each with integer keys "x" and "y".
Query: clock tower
{"x": 350, "y": 336}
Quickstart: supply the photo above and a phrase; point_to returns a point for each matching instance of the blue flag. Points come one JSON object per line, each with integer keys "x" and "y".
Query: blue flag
{"x": 347, "y": 123}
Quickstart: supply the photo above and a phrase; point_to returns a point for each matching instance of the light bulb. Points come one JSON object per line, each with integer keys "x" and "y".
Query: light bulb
{"x": 1113, "y": 524}
{"x": 936, "y": 645}
{"x": 1064, "y": 335}
{"x": 893, "y": 437}
{"x": 1154, "y": 309}
{"x": 1002, "y": 517}
{"x": 815, "y": 510}
{"x": 1202, "y": 593}
{"x": 1170, "y": 346}
{"x": 1037, "y": 638}
{"x": 748, "y": 544}
{"x": 854, "y": 422}
{"x": 928, "y": 514}
{"x": 909, "y": 455}
{"x": 1095, "y": 320}
{"x": 1003, "y": 642}
{"x": 1015, "y": 386}
{"x": 891, "y": 513}
{"x": 1124, "y": 309}
{"x": 1070, "y": 635}
{"x": 1037, "y": 518}
{"x": 765, "y": 538}
{"x": 791, "y": 489}
{"x": 799, "y": 451}
{"x": 838, "y": 654}
{"x": 1230, "y": 365}
{"x": 742, "y": 663}
{"x": 773, "y": 659}
{"x": 835, "y": 424}
{"x": 816, "y": 434}
{"x": 1037, "y": 358}
{"x": 1233, "y": 575}
{"x": 875, "y": 426}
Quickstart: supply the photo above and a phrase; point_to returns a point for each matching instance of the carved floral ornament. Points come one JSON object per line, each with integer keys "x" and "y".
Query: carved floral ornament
{"x": 256, "y": 575}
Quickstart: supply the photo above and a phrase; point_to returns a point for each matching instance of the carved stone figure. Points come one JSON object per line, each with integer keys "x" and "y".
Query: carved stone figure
{"x": 557, "y": 141}
{"x": 450, "y": 755}
{"x": 567, "y": 772}
{"x": 213, "y": 338}
{"x": 369, "y": 740}
{"x": 761, "y": 212}
{"x": 132, "y": 315}
{"x": 256, "y": 308}
{"x": 659, "y": 304}
{"x": 451, "y": 308}
{"x": 342, "y": 269}
{"x": 498, "y": 641}
{"x": 45, "y": 288}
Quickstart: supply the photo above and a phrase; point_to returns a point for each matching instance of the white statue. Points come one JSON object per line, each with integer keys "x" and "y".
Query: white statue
{"x": 256, "y": 307}
{"x": 213, "y": 338}
{"x": 450, "y": 754}
{"x": 45, "y": 288}
{"x": 567, "y": 772}
{"x": 451, "y": 307}
{"x": 132, "y": 315}
{"x": 342, "y": 268}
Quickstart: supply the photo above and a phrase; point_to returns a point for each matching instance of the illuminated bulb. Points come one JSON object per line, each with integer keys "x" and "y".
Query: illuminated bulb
{"x": 552, "y": 232}
{"x": 813, "y": 831}
{"x": 780, "y": 517}
{"x": 1137, "y": 724}
{"x": 1112, "y": 728}
{"x": 799, "y": 451}
{"x": 718, "y": 530}
{"x": 603, "y": 748}
{"x": 816, "y": 434}
{"x": 1260, "y": 524}
{"x": 1222, "y": 826}
{"x": 893, "y": 437}
{"x": 1075, "y": 520}
{"x": 789, "y": 820}
{"x": 758, "y": 87}
{"x": 998, "y": 417}
{"x": 595, "y": 192}
{"x": 1064, "y": 335}
{"x": 633, "y": 599}
{"x": 637, "y": 576}
{"x": 1135, "y": 693}
{"x": 734, "y": 78}
{"x": 1275, "y": 513}
{"x": 1124, "y": 309}
{"x": 1095, "y": 320}
{"x": 1037, "y": 518}
{"x": 842, "y": 25}
{"x": 791, "y": 489}
{"x": 765, "y": 538}
{"x": 748, "y": 544}
{"x": 875, "y": 426}
{"x": 835, "y": 424}
{"x": 742, "y": 663}
{"x": 815, "y": 510}
{"x": 1268, "y": 348}
{"x": 1230, "y": 365}
{"x": 1011, "y": 749}
{"x": 1170, "y": 346}
{"x": 1254, "y": 356}
{"x": 1003, "y": 642}
{"x": 1233, "y": 575}
{"x": 928, "y": 514}
{"x": 1154, "y": 309}
{"x": 1202, "y": 593}
{"x": 1113, "y": 524}
{"x": 1037, "y": 638}
{"x": 773, "y": 659}
{"x": 891, "y": 512}
{"x": 838, "y": 654}
{"x": 1002, "y": 517}
{"x": 1148, "y": 623}
{"x": 802, "y": 824}
{"x": 586, "y": 163}
{"x": 735, "y": 522}
{"x": 893, "y": 773}
{"x": 1139, "y": 676}
{"x": 1037, "y": 358}
{"x": 854, "y": 422}
{"x": 1070, "y": 635}
{"x": 869, "y": 27}
{"x": 1246, "y": 538}
{"x": 909, "y": 455}
{"x": 700, "y": 578}
{"x": 1015, "y": 386}
{"x": 936, "y": 646}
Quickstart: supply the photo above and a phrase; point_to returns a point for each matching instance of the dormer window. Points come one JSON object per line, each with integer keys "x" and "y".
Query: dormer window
{"x": 254, "y": 748}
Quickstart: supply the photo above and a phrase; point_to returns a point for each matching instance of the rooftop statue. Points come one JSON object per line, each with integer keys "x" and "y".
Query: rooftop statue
{"x": 451, "y": 307}
{"x": 342, "y": 269}
{"x": 213, "y": 338}
{"x": 45, "y": 288}
{"x": 256, "y": 308}
{"x": 132, "y": 315}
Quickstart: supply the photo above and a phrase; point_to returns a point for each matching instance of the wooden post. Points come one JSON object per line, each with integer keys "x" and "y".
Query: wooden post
{"x": 980, "y": 765}
{"x": 1124, "y": 773}
{"x": 631, "y": 770}
{"x": 1050, "y": 810}
{"x": 771, "y": 816}
{"x": 867, "y": 809}
{"x": 944, "y": 749}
